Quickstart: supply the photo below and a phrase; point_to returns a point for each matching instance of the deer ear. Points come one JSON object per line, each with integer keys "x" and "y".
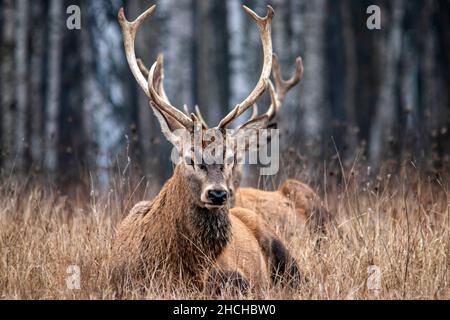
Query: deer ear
{"x": 172, "y": 129}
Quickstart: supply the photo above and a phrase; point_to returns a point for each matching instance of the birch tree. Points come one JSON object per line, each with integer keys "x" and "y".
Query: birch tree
{"x": 313, "y": 82}
{"x": 204, "y": 89}
{"x": 177, "y": 42}
{"x": 385, "y": 117}
{"x": 290, "y": 116}
{"x": 56, "y": 16}
{"x": 350, "y": 78}
{"x": 219, "y": 64}
{"x": 87, "y": 87}
{"x": 21, "y": 83}
{"x": 36, "y": 86}
{"x": 283, "y": 42}
{"x": 148, "y": 47}
{"x": 239, "y": 84}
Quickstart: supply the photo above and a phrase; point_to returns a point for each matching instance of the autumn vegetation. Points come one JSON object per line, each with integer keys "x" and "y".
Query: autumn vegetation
{"x": 397, "y": 222}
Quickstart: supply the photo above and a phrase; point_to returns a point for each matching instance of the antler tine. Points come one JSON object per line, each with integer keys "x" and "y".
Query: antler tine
{"x": 200, "y": 117}
{"x": 159, "y": 76}
{"x": 275, "y": 103}
{"x": 143, "y": 68}
{"x": 186, "y": 110}
{"x": 264, "y": 25}
{"x": 160, "y": 102}
{"x": 254, "y": 113}
{"x": 129, "y": 30}
{"x": 159, "y": 81}
{"x": 283, "y": 86}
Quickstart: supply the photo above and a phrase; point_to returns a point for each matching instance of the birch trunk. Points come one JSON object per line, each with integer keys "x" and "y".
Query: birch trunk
{"x": 21, "y": 57}
{"x": 206, "y": 83}
{"x": 239, "y": 84}
{"x": 178, "y": 44}
{"x": 390, "y": 48}
{"x": 313, "y": 81}
{"x": 36, "y": 78}
{"x": 351, "y": 132}
{"x": 53, "y": 84}
{"x": 87, "y": 89}
{"x": 148, "y": 47}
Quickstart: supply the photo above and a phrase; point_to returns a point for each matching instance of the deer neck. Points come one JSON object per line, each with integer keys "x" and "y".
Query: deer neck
{"x": 199, "y": 233}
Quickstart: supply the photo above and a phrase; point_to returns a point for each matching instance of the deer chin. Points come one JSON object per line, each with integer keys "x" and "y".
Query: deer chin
{"x": 211, "y": 206}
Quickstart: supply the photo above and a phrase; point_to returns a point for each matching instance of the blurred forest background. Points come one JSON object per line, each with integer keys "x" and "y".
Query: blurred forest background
{"x": 70, "y": 106}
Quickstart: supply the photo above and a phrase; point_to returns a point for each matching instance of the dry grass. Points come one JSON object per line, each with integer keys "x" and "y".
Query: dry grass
{"x": 400, "y": 224}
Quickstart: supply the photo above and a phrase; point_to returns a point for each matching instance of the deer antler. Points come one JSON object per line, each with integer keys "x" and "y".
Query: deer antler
{"x": 200, "y": 117}
{"x": 143, "y": 68}
{"x": 264, "y": 25}
{"x": 282, "y": 87}
{"x": 154, "y": 89}
{"x": 277, "y": 93}
{"x": 129, "y": 30}
{"x": 161, "y": 102}
{"x": 159, "y": 78}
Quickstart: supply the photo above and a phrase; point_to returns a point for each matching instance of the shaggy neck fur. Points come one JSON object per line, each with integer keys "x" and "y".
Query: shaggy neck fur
{"x": 192, "y": 236}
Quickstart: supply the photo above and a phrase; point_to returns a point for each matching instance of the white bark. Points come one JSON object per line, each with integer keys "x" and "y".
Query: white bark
{"x": 36, "y": 105}
{"x": 390, "y": 49}
{"x": 102, "y": 89}
{"x": 313, "y": 81}
{"x": 53, "y": 84}
{"x": 409, "y": 98}
{"x": 351, "y": 133}
{"x": 177, "y": 44}
{"x": 207, "y": 93}
{"x": 288, "y": 121}
{"x": 21, "y": 57}
{"x": 239, "y": 84}
{"x": 87, "y": 89}
{"x": 409, "y": 94}
{"x": 281, "y": 45}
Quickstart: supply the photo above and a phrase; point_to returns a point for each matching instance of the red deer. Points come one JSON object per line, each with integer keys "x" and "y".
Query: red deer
{"x": 294, "y": 203}
{"x": 187, "y": 234}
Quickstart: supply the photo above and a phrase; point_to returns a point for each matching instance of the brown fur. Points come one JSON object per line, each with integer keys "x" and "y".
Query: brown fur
{"x": 293, "y": 204}
{"x": 172, "y": 238}
{"x": 188, "y": 228}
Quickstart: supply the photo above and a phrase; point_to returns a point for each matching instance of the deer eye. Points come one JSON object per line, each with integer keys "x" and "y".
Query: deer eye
{"x": 202, "y": 167}
{"x": 221, "y": 167}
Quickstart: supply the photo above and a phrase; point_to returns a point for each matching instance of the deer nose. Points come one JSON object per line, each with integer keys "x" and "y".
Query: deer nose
{"x": 217, "y": 197}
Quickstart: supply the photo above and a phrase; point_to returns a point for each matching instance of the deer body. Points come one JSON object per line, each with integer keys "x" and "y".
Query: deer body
{"x": 188, "y": 234}
{"x": 186, "y": 239}
{"x": 293, "y": 207}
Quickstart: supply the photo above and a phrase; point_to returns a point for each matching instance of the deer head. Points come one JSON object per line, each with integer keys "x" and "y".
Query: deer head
{"x": 206, "y": 156}
{"x": 277, "y": 95}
